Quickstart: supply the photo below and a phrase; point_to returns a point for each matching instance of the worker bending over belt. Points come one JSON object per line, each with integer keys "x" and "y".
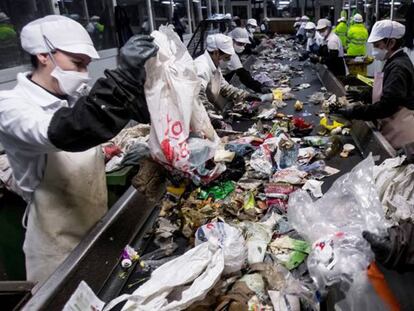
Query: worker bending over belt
{"x": 213, "y": 85}
{"x": 50, "y": 126}
{"x": 331, "y": 52}
{"x": 314, "y": 41}
{"x": 240, "y": 40}
{"x": 393, "y": 91}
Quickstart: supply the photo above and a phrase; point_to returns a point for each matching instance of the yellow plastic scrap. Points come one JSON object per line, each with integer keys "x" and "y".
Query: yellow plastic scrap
{"x": 366, "y": 80}
{"x": 176, "y": 191}
{"x": 329, "y": 125}
{"x": 277, "y": 94}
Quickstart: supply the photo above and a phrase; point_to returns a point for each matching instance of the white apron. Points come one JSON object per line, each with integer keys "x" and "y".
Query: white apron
{"x": 399, "y": 128}
{"x": 69, "y": 201}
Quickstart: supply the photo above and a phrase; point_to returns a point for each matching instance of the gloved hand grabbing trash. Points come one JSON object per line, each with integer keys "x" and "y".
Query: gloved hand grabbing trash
{"x": 346, "y": 112}
{"x": 355, "y": 96}
{"x": 252, "y": 97}
{"x": 133, "y": 56}
{"x": 314, "y": 59}
{"x": 395, "y": 251}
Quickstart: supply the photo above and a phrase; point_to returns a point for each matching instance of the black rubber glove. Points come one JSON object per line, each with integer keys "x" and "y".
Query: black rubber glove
{"x": 314, "y": 59}
{"x": 355, "y": 96}
{"x": 265, "y": 90}
{"x": 396, "y": 251}
{"x": 253, "y": 98}
{"x": 346, "y": 112}
{"x": 133, "y": 56}
{"x": 381, "y": 246}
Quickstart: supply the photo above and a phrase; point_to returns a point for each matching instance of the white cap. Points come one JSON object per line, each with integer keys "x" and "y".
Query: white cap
{"x": 220, "y": 42}
{"x": 252, "y": 21}
{"x": 386, "y": 29}
{"x": 240, "y": 35}
{"x": 95, "y": 18}
{"x": 297, "y": 24}
{"x": 297, "y": 19}
{"x": 61, "y": 32}
{"x": 358, "y": 18}
{"x": 3, "y": 17}
{"x": 310, "y": 26}
{"x": 323, "y": 23}
{"x": 304, "y": 18}
{"x": 342, "y": 19}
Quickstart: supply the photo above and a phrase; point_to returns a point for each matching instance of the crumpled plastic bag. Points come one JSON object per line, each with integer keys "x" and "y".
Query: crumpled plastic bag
{"x": 220, "y": 249}
{"x": 171, "y": 90}
{"x": 395, "y": 183}
{"x": 334, "y": 225}
{"x": 258, "y": 236}
{"x": 262, "y": 159}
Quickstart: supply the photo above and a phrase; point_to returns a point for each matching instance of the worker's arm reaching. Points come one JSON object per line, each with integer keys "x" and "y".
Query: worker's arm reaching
{"x": 112, "y": 102}
{"x": 394, "y": 96}
{"x": 233, "y": 93}
{"x": 246, "y": 78}
{"x": 396, "y": 250}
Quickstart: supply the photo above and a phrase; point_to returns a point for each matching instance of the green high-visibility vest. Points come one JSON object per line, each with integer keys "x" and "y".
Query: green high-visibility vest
{"x": 341, "y": 31}
{"x": 357, "y": 39}
{"x": 7, "y": 33}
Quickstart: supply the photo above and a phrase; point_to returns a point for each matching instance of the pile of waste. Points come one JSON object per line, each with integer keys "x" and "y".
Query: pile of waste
{"x": 261, "y": 234}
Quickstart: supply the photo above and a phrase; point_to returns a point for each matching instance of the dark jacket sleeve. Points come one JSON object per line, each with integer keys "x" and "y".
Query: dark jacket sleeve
{"x": 401, "y": 256}
{"x": 332, "y": 60}
{"x": 396, "y": 83}
{"x": 247, "y": 79}
{"x": 98, "y": 117}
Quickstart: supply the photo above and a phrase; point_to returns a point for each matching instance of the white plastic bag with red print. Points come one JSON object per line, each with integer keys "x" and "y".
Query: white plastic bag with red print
{"x": 171, "y": 90}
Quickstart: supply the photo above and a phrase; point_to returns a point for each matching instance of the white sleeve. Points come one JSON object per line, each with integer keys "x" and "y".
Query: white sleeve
{"x": 25, "y": 124}
{"x": 203, "y": 72}
{"x": 333, "y": 45}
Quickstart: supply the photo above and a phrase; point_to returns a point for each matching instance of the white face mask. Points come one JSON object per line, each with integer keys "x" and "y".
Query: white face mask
{"x": 238, "y": 48}
{"x": 223, "y": 63}
{"x": 251, "y": 29}
{"x": 325, "y": 34}
{"x": 379, "y": 54}
{"x": 310, "y": 34}
{"x": 70, "y": 81}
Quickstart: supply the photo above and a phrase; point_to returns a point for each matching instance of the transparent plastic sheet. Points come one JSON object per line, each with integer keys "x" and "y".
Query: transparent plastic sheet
{"x": 334, "y": 225}
{"x": 181, "y": 135}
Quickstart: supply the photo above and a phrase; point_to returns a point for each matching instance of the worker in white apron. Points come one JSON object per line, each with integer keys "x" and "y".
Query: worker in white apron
{"x": 213, "y": 85}
{"x": 51, "y": 127}
{"x": 241, "y": 40}
{"x": 393, "y": 91}
{"x": 331, "y": 52}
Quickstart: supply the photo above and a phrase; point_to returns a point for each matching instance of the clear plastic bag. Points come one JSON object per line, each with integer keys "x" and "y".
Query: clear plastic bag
{"x": 334, "y": 225}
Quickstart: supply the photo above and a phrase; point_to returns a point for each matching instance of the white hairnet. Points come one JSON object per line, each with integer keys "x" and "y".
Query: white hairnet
{"x": 60, "y": 32}
{"x": 252, "y": 21}
{"x": 220, "y": 42}
{"x": 240, "y": 35}
{"x": 386, "y": 29}
{"x": 323, "y": 23}
{"x": 358, "y": 18}
{"x": 310, "y": 26}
